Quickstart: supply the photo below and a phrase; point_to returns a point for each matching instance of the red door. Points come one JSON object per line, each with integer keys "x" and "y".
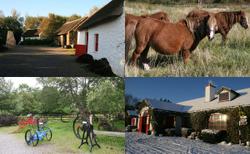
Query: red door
{"x": 82, "y": 49}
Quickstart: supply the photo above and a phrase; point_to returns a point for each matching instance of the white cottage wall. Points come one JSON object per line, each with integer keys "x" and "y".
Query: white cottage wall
{"x": 111, "y": 44}
{"x": 81, "y": 37}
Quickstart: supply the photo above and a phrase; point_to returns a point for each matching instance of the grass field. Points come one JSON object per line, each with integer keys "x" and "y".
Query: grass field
{"x": 64, "y": 139}
{"x": 210, "y": 58}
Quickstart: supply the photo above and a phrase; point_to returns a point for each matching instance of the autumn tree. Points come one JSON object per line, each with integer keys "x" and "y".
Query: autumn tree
{"x": 32, "y": 22}
{"x": 50, "y": 25}
{"x": 73, "y": 17}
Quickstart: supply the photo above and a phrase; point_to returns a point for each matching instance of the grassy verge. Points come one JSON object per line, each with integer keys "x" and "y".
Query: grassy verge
{"x": 64, "y": 139}
{"x": 210, "y": 58}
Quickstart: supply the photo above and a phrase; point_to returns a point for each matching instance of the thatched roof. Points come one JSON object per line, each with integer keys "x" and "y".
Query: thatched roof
{"x": 31, "y": 33}
{"x": 70, "y": 26}
{"x": 110, "y": 11}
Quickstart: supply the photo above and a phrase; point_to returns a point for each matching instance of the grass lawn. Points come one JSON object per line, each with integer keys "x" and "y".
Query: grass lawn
{"x": 210, "y": 58}
{"x": 64, "y": 139}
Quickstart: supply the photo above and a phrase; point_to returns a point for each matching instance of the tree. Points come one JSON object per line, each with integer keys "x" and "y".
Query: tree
{"x": 28, "y": 99}
{"x": 53, "y": 102}
{"x": 32, "y": 22}
{"x": 50, "y": 25}
{"x": 5, "y": 92}
{"x": 73, "y": 17}
{"x": 1, "y": 14}
{"x": 11, "y": 23}
{"x": 130, "y": 102}
{"x": 106, "y": 97}
{"x": 74, "y": 89}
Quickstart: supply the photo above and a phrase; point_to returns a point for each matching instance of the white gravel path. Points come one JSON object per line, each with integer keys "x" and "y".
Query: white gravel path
{"x": 10, "y": 144}
{"x": 140, "y": 143}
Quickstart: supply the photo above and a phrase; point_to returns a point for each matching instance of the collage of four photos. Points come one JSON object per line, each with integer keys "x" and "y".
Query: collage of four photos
{"x": 125, "y": 76}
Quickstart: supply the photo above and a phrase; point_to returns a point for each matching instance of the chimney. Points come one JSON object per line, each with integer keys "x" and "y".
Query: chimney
{"x": 209, "y": 92}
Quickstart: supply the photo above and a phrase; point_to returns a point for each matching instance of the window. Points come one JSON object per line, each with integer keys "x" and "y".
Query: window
{"x": 87, "y": 38}
{"x": 224, "y": 96}
{"x": 218, "y": 121}
{"x": 96, "y": 42}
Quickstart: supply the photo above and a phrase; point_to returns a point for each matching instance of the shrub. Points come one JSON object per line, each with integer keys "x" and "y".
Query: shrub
{"x": 101, "y": 67}
{"x": 185, "y": 132}
{"x": 7, "y": 120}
{"x": 199, "y": 120}
{"x": 170, "y": 131}
{"x": 3, "y": 34}
{"x": 233, "y": 126}
{"x": 246, "y": 131}
{"x": 104, "y": 125}
{"x": 38, "y": 42}
{"x": 213, "y": 136}
{"x": 86, "y": 59}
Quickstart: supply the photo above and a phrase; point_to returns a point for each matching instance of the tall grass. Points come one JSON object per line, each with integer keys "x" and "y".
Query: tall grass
{"x": 210, "y": 58}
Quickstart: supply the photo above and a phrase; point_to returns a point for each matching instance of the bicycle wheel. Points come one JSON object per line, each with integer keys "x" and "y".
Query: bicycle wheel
{"x": 48, "y": 133}
{"x": 77, "y": 124}
{"x": 31, "y": 137}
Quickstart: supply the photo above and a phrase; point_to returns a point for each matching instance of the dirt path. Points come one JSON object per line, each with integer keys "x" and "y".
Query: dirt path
{"x": 109, "y": 133}
{"x": 140, "y": 143}
{"x": 40, "y": 61}
{"x": 10, "y": 144}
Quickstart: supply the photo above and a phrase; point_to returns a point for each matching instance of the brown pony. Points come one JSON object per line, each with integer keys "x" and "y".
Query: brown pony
{"x": 169, "y": 38}
{"x": 131, "y": 21}
{"x": 224, "y": 21}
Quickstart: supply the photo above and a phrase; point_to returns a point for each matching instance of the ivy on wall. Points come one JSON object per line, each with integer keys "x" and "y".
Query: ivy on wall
{"x": 199, "y": 121}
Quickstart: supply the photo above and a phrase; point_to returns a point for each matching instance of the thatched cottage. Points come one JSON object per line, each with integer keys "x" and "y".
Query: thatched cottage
{"x": 102, "y": 35}
{"x": 67, "y": 33}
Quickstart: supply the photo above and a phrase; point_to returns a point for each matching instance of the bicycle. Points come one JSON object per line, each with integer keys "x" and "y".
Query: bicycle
{"x": 34, "y": 136}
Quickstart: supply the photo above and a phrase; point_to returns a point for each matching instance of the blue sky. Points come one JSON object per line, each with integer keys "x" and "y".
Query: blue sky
{"x": 178, "y": 89}
{"x": 43, "y": 7}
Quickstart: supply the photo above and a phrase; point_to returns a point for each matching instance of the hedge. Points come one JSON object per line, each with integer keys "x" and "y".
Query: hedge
{"x": 199, "y": 121}
{"x": 39, "y": 42}
{"x": 8, "y": 120}
{"x": 3, "y": 34}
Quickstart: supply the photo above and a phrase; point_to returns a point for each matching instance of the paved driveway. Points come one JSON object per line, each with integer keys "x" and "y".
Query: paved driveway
{"x": 40, "y": 62}
{"x": 140, "y": 143}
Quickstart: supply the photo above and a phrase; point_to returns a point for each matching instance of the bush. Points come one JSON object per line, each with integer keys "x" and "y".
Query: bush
{"x": 199, "y": 120}
{"x": 101, "y": 67}
{"x": 185, "y": 132}
{"x": 213, "y": 136}
{"x": 86, "y": 59}
{"x": 170, "y": 131}
{"x": 38, "y": 42}
{"x": 104, "y": 125}
{"x": 233, "y": 126}
{"x": 8, "y": 120}
{"x": 3, "y": 34}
